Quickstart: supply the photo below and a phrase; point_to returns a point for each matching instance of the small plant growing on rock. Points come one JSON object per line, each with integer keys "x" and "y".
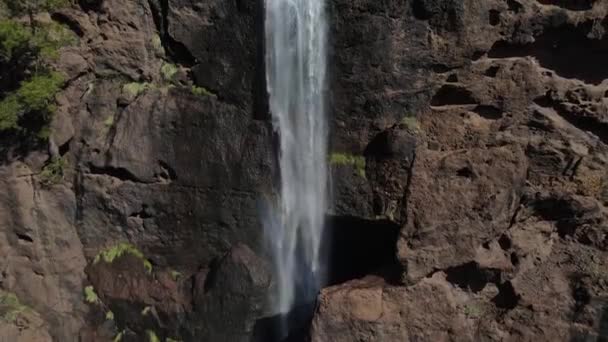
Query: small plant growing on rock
{"x": 175, "y": 275}
{"x": 146, "y": 310}
{"x": 358, "y": 162}
{"x": 411, "y": 123}
{"x": 113, "y": 253}
{"x": 157, "y": 44}
{"x": 168, "y": 71}
{"x": 152, "y": 336}
{"x": 10, "y": 307}
{"x": 134, "y": 89}
{"x": 53, "y": 172}
{"x": 28, "y": 48}
{"x": 472, "y": 311}
{"x": 109, "y": 315}
{"x": 119, "y": 336}
{"x": 109, "y": 121}
{"x": 200, "y": 91}
{"x": 90, "y": 296}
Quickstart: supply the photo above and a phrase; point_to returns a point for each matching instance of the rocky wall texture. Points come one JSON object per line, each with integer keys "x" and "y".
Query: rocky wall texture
{"x": 469, "y": 197}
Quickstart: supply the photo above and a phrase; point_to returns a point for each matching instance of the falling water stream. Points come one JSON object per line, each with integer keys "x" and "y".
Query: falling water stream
{"x": 296, "y": 35}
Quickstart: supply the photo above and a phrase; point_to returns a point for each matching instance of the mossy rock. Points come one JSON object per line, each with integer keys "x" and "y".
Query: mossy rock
{"x": 357, "y": 162}
{"x": 110, "y": 254}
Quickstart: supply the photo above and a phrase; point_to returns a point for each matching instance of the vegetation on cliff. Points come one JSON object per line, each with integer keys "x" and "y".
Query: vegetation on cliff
{"x": 28, "y": 81}
{"x": 115, "y": 252}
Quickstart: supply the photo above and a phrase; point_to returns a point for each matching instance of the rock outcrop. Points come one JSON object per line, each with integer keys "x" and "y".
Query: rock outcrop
{"x": 469, "y": 150}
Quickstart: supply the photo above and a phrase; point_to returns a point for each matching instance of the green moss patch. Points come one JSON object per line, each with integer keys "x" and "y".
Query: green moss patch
{"x": 152, "y": 337}
{"x": 411, "y": 123}
{"x": 113, "y": 253}
{"x": 168, "y": 71}
{"x": 90, "y": 296}
{"x": 200, "y": 91}
{"x": 135, "y": 88}
{"x": 357, "y": 162}
{"x": 11, "y": 308}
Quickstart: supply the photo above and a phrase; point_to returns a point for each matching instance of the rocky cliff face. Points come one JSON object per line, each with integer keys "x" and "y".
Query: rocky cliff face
{"x": 469, "y": 152}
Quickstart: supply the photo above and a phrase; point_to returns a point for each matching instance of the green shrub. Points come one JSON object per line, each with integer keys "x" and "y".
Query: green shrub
{"x": 90, "y": 296}
{"x": 38, "y": 93}
{"x": 10, "y": 111}
{"x": 28, "y": 52}
{"x": 49, "y": 38}
{"x": 123, "y": 248}
{"x": 357, "y": 162}
{"x": 52, "y": 173}
{"x": 14, "y": 39}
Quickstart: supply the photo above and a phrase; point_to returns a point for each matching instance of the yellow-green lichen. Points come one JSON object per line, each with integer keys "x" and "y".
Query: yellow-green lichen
{"x": 90, "y": 296}
{"x": 123, "y": 248}
{"x": 152, "y": 336}
{"x": 472, "y": 311}
{"x": 357, "y": 162}
{"x": 200, "y": 91}
{"x": 135, "y": 88}
{"x": 146, "y": 310}
{"x": 175, "y": 275}
{"x": 168, "y": 71}
{"x": 157, "y": 44}
{"x": 11, "y": 308}
{"x": 411, "y": 123}
{"x": 109, "y": 121}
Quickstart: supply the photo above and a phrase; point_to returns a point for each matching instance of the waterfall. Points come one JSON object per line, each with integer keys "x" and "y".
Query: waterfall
{"x": 296, "y": 35}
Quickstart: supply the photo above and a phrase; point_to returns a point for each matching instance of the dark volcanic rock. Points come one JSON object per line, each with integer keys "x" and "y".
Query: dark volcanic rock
{"x": 469, "y": 156}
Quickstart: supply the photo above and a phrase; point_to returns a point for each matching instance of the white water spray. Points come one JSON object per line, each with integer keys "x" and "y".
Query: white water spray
{"x": 296, "y": 38}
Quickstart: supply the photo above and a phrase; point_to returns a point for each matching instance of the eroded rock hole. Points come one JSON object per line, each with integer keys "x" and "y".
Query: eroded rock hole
{"x": 504, "y": 242}
{"x": 573, "y": 5}
{"x": 450, "y": 94}
{"x": 470, "y": 277}
{"x": 488, "y": 112}
{"x": 506, "y": 298}
{"x": 494, "y": 17}
{"x": 514, "y": 6}
{"x": 567, "y": 50}
{"x": 357, "y": 247}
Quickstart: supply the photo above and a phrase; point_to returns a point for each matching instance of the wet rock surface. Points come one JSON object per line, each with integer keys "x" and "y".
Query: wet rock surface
{"x": 469, "y": 140}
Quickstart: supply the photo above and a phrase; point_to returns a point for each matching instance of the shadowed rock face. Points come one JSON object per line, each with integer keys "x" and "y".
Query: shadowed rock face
{"x": 474, "y": 207}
